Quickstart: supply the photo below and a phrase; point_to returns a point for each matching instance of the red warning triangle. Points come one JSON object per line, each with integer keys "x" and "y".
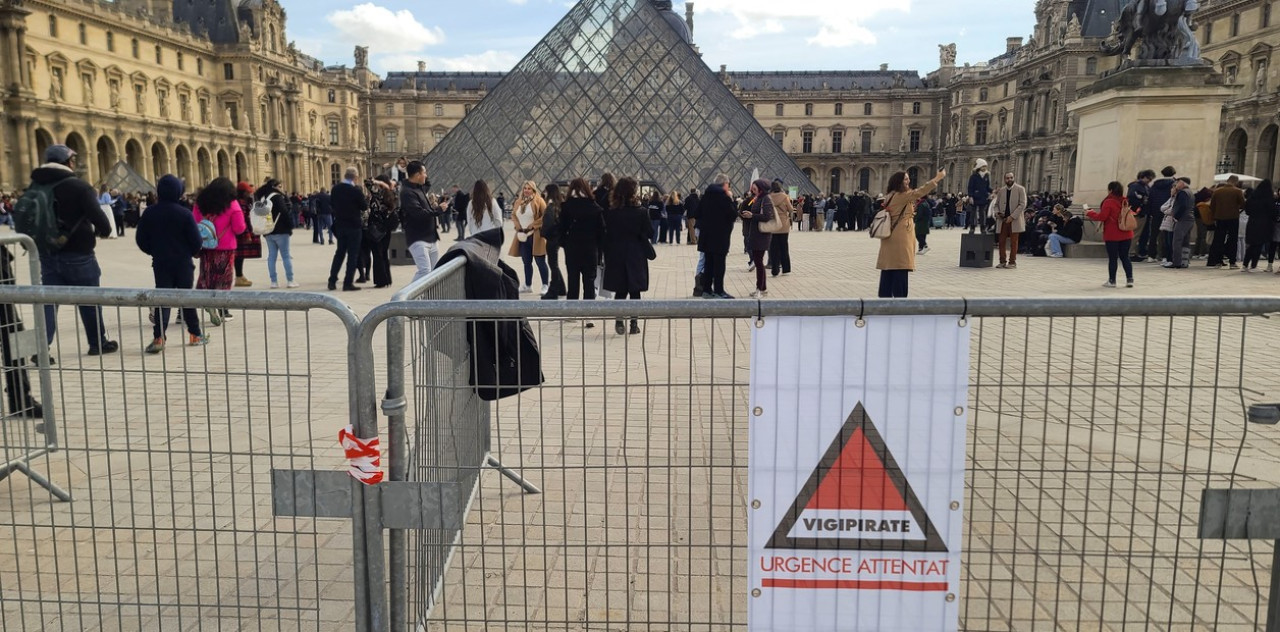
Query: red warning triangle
{"x": 857, "y": 473}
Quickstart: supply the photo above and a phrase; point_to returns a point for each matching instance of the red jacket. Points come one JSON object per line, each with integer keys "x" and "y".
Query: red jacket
{"x": 1109, "y": 215}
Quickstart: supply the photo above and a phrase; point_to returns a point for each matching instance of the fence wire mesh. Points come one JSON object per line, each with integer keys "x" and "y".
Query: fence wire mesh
{"x": 168, "y": 460}
{"x": 1090, "y": 442}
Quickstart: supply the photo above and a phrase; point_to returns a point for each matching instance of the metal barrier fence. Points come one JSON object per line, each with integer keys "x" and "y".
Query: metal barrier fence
{"x": 31, "y": 430}
{"x": 169, "y": 460}
{"x": 1094, "y": 428}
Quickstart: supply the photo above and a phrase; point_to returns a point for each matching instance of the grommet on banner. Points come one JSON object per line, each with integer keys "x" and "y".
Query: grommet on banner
{"x": 365, "y": 456}
{"x": 951, "y": 597}
{"x": 755, "y": 592}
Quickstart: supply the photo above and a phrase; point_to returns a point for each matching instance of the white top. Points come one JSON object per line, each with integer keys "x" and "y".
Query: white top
{"x": 488, "y": 221}
{"x": 525, "y": 216}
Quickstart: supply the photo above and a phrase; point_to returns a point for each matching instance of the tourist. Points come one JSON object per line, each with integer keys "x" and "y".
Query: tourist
{"x": 675, "y": 218}
{"x": 460, "y": 202}
{"x": 529, "y": 244}
{"x": 1226, "y": 204}
{"x": 760, "y": 210}
{"x": 324, "y": 217}
{"x": 810, "y": 209}
{"x": 658, "y": 217}
{"x": 1149, "y": 240}
{"x": 691, "y": 217}
{"x": 1068, "y": 231}
{"x": 979, "y": 195}
{"x": 420, "y": 229}
{"x": 1275, "y": 237}
{"x": 716, "y": 216}
{"x": 75, "y": 264}
{"x": 1010, "y": 206}
{"x": 604, "y": 192}
{"x": 1118, "y": 241}
{"x": 842, "y": 213}
{"x": 248, "y": 245}
{"x": 923, "y": 220}
{"x": 375, "y": 241}
{"x": 349, "y": 205}
{"x": 217, "y": 203}
{"x": 169, "y": 235}
{"x": 626, "y": 254}
{"x": 281, "y": 233}
{"x": 1204, "y": 224}
{"x": 1139, "y": 191}
{"x": 551, "y": 233}
{"x": 897, "y": 258}
{"x": 482, "y": 211}
{"x": 1184, "y": 221}
{"x": 582, "y": 235}
{"x": 780, "y": 242}
{"x": 1260, "y": 231}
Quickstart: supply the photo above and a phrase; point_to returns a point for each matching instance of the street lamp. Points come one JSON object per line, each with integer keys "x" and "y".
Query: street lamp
{"x": 1225, "y": 164}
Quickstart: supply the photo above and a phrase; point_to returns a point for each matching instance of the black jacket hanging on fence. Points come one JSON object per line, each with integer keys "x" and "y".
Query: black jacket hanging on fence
{"x": 505, "y": 359}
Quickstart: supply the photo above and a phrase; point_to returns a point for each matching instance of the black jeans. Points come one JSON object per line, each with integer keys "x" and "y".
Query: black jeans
{"x": 348, "y": 248}
{"x": 80, "y": 270}
{"x": 1225, "y": 234}
{"x": 1118, "y": 253}
{"x": 893, "y": 283}
{"x": 757, "y": 257}
{"x": 177, "y": 276}
{"x": 557, "y": 288}
{"x": 713, "y": 274}
{"x": 780, "y": 254}
{"x": 1252, "y": 255}
{"x": 581, "y": 264}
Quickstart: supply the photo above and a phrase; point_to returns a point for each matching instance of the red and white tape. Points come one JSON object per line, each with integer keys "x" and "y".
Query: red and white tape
{"x": 365, "y": 456}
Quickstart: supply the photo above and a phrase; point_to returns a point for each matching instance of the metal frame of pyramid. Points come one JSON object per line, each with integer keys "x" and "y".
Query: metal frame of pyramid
{"x": 613, "y": 87}
{"x": 123, "y": 178}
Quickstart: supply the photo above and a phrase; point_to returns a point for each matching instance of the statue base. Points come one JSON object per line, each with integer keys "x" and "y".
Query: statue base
{"x": 1148, "y": 115}
{"x": 977, "y": 250}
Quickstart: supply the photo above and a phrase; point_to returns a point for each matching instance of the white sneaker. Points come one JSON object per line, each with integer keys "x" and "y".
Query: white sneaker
{"x": 1108, "y": 284}
{"x": 292, "y": 285}
{"x": 924, "y": 251}
{"x": 1055, "y": 256}
{"x": 524, "y": 289}
{"x": 275, "y": 286}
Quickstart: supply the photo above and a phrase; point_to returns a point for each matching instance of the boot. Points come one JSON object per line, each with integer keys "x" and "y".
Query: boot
{"x": 697, "y": 285}
{"x": 619, "y": 327}
{"x": 243, "y": 282}
{"x": 635, "y": 326}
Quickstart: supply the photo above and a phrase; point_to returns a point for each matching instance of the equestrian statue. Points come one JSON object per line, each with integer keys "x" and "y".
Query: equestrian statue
{"x": 1161, "y": 30}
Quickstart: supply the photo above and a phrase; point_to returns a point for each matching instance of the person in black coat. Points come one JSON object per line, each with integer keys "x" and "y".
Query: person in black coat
{"x": 582, "y": 237}
{"x": 604, "y": 192}
{"x": 167, "y": 232}
{"x": 323, "y": 208}
{"x": 691, "y": 217}
{"x": 349, "y": 205}
{"x": 716, "y": 216}
{"x": 628, "y": 232}
{"x": 460, "y": 202}
{"x": 1258, "y": 233}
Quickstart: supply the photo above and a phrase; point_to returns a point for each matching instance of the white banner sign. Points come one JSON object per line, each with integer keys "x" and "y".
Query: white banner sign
{"x": 857, "y": 474}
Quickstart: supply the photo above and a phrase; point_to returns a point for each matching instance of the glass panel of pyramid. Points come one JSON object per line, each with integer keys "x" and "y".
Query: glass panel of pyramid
{"x": 615, "y": 87}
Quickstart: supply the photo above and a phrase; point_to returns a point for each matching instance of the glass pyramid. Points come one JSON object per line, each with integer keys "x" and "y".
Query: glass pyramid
{"x": 615, "y": 87}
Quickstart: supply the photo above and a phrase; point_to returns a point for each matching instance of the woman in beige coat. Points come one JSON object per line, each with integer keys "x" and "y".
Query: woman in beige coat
{"x": 898, "y": 252}
{"x": 530, "y": 245}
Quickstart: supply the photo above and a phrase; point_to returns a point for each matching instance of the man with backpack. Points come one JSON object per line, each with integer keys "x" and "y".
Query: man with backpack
{"x": 61, "y": 213}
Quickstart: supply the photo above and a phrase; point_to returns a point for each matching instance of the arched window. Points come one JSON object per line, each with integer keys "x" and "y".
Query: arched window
{"x": 777, "y": 109}
{"x": 53, "y": 26}
{"x": 751, "y": 109}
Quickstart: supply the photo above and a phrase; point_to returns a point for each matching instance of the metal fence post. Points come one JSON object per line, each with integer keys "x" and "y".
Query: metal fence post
{"x": 394, "y": 408}
{"x": 367, "y": 526}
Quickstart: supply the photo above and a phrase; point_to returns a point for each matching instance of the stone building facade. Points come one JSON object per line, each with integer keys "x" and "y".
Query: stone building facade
{"x": 214, "y": 88}
{"x": 201, "y": 90}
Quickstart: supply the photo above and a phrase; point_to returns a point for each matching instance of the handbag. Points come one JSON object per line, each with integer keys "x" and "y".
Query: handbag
{"x": 522, "y": 236}
{"x": 1126, "y": 220}
{"x": 881, "y": 228}
{"x": 775, "y": 225}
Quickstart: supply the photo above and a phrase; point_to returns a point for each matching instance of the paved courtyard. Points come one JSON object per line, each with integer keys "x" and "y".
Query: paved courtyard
{"x": 1090, "y": 443}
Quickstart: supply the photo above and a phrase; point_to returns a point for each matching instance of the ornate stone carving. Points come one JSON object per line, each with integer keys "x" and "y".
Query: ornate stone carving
{"x": 947, "y": 55}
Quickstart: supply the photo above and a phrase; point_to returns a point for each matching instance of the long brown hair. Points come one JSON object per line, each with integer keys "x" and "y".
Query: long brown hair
{"x": 626, "y": 194}
{"x": 607, "y": 181}
{"x": 580, "y": 189}
{"x": 481, "y": 201}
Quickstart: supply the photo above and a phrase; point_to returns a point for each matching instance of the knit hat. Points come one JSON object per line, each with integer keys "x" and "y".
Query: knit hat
{"x": 60, "y": 154}
{"x": 980, "y": 164}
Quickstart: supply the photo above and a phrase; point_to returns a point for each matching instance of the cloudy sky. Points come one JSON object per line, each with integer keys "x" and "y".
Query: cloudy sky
{"x": 745, "y": 34}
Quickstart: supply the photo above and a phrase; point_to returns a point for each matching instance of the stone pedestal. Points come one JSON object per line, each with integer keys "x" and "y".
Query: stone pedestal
{"x": 1147, "y": 117}
{"x": 398, "y": 252}
{"x": 976, "y": 251}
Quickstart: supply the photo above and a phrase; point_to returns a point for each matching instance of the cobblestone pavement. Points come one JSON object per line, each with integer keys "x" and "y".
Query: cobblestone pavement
{"x": 1091, "y": 440}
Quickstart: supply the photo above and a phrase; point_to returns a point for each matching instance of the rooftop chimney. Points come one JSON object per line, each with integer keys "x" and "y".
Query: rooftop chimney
{"x": 688, "y": 17}
{"x": 1012, "y": 43}
{"x": 884, "y": 67}
{"x": 422, "y": 66}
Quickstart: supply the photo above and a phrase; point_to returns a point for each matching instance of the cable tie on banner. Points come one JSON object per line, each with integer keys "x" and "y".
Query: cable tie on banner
{"x": 862, "y": 309}
{"x": 964, "y": 318}
{"x": 365, "y": 456}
